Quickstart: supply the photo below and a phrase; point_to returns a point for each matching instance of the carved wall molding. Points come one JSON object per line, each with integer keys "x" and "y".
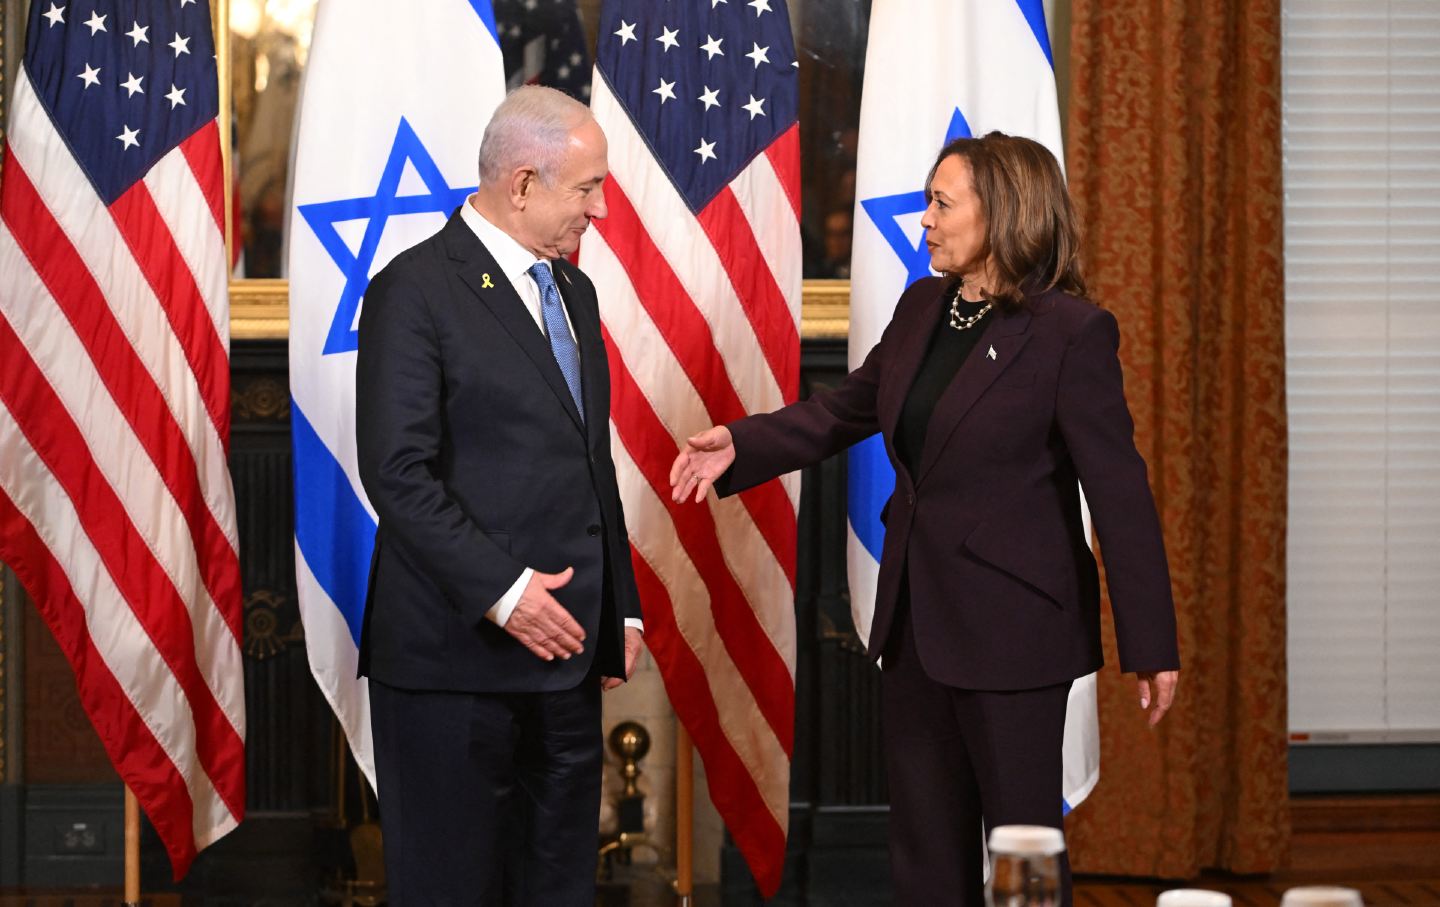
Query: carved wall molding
{"x": 263, "y": 619}
{"x": 260, "y": 398}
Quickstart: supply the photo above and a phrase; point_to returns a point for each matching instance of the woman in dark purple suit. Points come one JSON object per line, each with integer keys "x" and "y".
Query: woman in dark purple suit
{"x": 998, "y": 391}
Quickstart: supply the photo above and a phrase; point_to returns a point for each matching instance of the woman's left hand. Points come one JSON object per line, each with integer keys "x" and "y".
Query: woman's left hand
{"x": 1157, "y": 692}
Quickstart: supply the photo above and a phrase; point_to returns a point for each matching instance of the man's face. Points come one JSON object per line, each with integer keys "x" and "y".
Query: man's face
{"x": 556, "y": 215}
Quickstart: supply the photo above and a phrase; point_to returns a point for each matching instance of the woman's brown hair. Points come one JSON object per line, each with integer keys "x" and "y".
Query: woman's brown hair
{"x": 1031, "y": 233}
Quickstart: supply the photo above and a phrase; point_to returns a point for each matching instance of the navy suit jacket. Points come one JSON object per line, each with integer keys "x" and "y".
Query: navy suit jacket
{"x": 479, "y": 465}
{"x": 1004, "y": 591}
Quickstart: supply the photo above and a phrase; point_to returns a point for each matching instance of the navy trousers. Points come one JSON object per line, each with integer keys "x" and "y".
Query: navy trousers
{"x": 491, "y": 800}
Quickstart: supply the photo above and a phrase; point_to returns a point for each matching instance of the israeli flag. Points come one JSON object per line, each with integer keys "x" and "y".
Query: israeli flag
{"x": 395, "y": 99}
{"x": 972, "y": 68}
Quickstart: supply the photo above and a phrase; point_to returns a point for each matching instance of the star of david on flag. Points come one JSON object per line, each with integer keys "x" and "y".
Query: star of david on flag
{"x": 371, "y": 179}
{"x": 375, "y": 211}
{"x": 886, "y": 211}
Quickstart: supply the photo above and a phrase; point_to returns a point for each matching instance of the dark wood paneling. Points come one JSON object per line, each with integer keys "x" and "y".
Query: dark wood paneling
{"x": 61, "y": 746}
{"x": 74, "y": 834}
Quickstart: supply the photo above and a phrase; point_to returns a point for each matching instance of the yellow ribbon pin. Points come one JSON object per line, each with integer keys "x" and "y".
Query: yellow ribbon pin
{"x": 485, "y": 282}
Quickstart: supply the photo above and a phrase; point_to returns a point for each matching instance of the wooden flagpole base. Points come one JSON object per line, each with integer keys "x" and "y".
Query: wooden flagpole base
{"x": 684, "y": 816}
{"x": 132, "y": 849}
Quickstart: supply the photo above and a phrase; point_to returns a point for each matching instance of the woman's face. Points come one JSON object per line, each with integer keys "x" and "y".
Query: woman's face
{"x": 954, "y": 224}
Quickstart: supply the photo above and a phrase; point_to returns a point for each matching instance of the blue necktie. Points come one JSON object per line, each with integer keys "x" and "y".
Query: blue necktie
{"x": 562, "y": 345}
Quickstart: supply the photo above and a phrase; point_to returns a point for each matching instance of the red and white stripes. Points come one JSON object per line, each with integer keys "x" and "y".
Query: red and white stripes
{"x": 701, "y": 317}
{"x": 116, "y": 508}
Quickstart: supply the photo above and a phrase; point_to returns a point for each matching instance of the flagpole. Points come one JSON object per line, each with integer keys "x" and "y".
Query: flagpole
{"x": 684, "y": 816}
{"x": 221, "y": 9}
{"x": 132, "y": 849}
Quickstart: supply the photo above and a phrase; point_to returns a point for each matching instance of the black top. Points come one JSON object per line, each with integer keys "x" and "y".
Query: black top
{"x": 943, "y": 357}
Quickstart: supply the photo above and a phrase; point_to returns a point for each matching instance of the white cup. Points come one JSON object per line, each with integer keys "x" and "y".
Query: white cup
{"x": 1192, "y": 897}
{"x": 1322, "y": 896}
{"x": 1027, "y": 839}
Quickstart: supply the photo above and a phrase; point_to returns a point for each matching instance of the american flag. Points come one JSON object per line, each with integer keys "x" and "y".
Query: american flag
{"x": 543, "y": 43}
{"x": 699, "y": 262}
{"x": 116, "y": 508}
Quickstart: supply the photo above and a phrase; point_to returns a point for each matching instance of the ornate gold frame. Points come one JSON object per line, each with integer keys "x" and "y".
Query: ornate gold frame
{"x": 260, "y": 309}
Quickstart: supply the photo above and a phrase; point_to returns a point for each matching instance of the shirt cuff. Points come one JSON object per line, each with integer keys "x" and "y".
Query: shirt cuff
{"x": 635, "y": 622}
{"x": 501, "y": 610}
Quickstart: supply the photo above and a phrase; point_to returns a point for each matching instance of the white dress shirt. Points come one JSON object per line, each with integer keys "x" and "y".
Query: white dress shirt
{"x": 515, "y": 262}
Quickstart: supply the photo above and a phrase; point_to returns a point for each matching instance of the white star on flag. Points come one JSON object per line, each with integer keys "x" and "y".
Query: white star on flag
{"x": 129, "y": 137}
{"x": 138, "y": 33}
{"x": 666, "y": 91}
{"x": 96, "y": 23}
{"x": 756, "y": 107}
{"x": 759, "y": 55}
{"x": 760, "y": 6}
{"x": 669, "y": 37}
{"x": 90, "y": 75}
{"x": 712, "y": 47}
{"x": 56, "y": 15}
{"x": 181, "y": 45}
{"x": 626, "y": 32}
{"x": 706, "y": 151}
{"x": 132, "y": 85}
{"x": 710, "y": 97}
{"x": 176, "y": 97}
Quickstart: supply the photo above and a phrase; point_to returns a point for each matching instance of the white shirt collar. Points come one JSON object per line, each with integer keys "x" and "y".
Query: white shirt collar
{"x": 514, "y": 259}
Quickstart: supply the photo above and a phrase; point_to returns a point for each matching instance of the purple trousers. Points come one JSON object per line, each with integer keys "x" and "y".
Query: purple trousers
{"x": 956, "y": 759}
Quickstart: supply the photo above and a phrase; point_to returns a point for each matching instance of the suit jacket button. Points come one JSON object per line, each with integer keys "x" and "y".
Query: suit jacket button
{"x": 910, "y": 499}
{"x": 592, "y": 530}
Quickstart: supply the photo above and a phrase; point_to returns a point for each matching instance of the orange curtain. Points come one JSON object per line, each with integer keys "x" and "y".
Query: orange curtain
{"x": 1174, "y": 160}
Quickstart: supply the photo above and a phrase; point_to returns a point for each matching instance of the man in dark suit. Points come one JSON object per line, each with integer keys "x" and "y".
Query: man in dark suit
{"x": 502, "y": 596}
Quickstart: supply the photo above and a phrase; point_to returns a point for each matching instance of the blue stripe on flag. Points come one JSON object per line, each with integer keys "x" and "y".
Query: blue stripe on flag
{"x": 870, "y": 482}
{"x": 1034, "y": 13}
{"x": 486, "y": 11}
{"x": 332, "y": 527}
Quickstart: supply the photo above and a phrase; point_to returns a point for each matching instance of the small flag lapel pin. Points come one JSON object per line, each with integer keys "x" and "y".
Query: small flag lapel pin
{"x": 991, "y": 355}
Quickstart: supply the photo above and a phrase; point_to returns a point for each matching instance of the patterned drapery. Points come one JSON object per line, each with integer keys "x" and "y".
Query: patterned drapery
{"x": 1174, "y": 161}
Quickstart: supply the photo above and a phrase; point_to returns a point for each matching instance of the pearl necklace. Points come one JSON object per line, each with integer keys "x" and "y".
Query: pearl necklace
{"x": 966, "y": 322}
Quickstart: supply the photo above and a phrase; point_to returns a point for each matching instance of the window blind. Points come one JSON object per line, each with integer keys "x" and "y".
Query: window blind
{"x": 1361, "y": 134}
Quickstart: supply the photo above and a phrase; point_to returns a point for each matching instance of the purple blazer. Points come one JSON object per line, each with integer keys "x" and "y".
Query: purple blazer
{"x": 1004, "y": 591}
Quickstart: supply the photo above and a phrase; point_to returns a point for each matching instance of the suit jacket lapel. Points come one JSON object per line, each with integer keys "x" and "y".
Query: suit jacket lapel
{"x": 475, "y": 266}
{"x": 914, "y": 341}
{"x": 1006, "y": 336}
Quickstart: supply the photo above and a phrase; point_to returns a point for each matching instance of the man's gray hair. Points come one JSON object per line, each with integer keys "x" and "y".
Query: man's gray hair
{"x": 532, "y": 127}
